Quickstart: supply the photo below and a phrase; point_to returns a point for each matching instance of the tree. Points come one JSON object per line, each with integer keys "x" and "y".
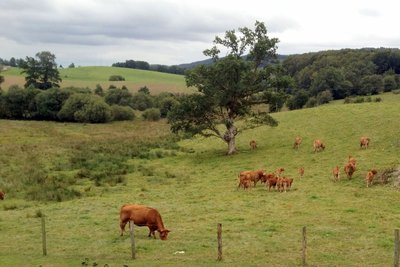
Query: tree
{"x": 42, "y": 72}
{"x": 227, "y": 87}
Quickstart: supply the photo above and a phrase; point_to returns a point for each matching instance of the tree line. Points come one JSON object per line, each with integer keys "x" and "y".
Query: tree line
{"x": 143, "y": 65}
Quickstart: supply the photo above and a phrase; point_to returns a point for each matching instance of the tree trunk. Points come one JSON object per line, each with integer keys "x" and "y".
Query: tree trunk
{"x": 230, "y": 138}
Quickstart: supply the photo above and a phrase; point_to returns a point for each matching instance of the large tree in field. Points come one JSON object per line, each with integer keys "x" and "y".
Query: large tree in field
{"x": 41, "y": 72}
{"x": 229, "y": 87}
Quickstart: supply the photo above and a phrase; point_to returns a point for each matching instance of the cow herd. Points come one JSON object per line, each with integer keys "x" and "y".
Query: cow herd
{"x": 275, "y": 180}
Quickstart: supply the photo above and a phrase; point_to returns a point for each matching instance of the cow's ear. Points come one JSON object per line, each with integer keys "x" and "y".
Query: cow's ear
{"x": 167, "y": 231}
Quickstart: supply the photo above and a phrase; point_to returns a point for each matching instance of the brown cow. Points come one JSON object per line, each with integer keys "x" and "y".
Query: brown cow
{"x": 254, "y": 176}
{"x": 2, "y": 195}
{"x": 318, "y": 145}
{"x": 352, "y": 161}
{"x": 143, "y": 216}
{"x": 336, "y": 173}
{"x": 253, "y": 144}
{"x": 297, "y": 142}
{"x": 272, "y": 182}
{"x": 284, "y": 183}
{"x": 279, "y": 171}
{"x": 364, "y": 142}
{"x": 301, "y": 172}
{"x": 264, "y": 179}
{"x": 349, "y": 169}
{"x": 370, "y": 177}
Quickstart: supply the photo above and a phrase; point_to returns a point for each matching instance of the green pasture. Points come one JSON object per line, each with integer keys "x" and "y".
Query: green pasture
{"x": 194, "y": 186}
{"x": 91, "y": 76}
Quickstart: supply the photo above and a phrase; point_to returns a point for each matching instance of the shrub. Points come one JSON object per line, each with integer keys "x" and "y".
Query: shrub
{"x": 122, "y": 113}
{"x": 152, "y": 114}
{"x": 312, "y": 102}
{"x": 142, "y": 101}
{"x": 166, "y": 105}
{"x": 117, "y": 96}
{"x": 49, "y": 103}
{"x": 85, "y": 108}
{"x": 116, "y": 78}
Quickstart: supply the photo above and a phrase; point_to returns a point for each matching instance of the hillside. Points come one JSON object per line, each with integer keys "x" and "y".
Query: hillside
{"x": 193, "y": 185}
{"x": 91, "y": 76}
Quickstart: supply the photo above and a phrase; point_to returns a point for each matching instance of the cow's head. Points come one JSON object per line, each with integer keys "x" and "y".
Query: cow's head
{"x": 2, "y": 195}
{"x": 164, "y": 234}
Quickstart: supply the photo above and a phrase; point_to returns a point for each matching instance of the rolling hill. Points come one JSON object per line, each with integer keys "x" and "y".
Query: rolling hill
{"x": 193, "y": 185}
{"x": 91, "y": 76}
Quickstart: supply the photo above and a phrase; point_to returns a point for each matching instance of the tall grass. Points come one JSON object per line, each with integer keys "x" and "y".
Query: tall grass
{"x": 194, "y": 188}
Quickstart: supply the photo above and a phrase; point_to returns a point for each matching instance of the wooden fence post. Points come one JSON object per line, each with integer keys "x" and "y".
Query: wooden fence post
{"x": 219, "y": 237}
{"x": 44, "y": 246}
{"x": 132, "y": 239}
{"x": 396, "y": 248}
{"x": 304, "y": 246}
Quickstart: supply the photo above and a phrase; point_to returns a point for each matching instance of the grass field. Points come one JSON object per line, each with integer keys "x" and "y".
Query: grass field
{"x": 194, "y": 188}
{"x": 91, "y": 76}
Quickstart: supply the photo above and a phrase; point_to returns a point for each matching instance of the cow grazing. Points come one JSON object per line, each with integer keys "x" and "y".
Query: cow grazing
{"x": 318, "y": 145}
{"x": 336, "y": 173}
{"x": 301, "y": 172}
{"x": 364, "y": 142}
{"x": 349, "y": 169}
{"x": 253, "y": 176}
{"x": 143, "y": 216}
{"x": 297, "y": 142}
{"x": 253, "y": 144}
{"x": 370, "y": 177}
{"x": 2, "y": 195}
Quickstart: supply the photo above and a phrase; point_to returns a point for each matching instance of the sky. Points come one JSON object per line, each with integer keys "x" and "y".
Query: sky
{"x": 170, "y": 32}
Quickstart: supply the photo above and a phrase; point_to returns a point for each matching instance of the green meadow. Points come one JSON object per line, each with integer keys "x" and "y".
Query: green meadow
{"x": 194, "y": 186}
{"x": 91, "y": 76}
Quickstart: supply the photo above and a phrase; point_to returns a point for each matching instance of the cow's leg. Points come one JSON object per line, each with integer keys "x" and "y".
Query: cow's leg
{"x": 122, "y": 226}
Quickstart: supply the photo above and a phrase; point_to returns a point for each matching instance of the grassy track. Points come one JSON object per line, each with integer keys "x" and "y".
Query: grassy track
{"x": 348, "y": 224}
{"x": 91, "y": 76}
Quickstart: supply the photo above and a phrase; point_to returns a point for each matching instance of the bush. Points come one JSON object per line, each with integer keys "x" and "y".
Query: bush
{"x": 116, "y": 78}
{"x": 49, "y": 103}
{"x": 116, "y": 96}
{"x": 166, "y": 105}
{"x": 152, "y": 114}
{"x": 142, "y": 101}
{"x": 122, "y": 113}
{"x": 85, "y": 108}
{"x": 312, "y": 102}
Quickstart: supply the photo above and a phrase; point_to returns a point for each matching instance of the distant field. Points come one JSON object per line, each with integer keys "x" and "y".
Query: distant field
{"x": 194, "y": 188}
{"x": 91, "y": 76}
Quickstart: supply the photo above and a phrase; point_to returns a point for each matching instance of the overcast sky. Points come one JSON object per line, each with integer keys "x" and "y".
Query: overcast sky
{"x": 102, "y": 32}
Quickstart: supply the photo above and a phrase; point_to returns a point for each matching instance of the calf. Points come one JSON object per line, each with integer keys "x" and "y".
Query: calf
{"x": 364, "y": 142}
{"x": 253, "y": 144}
{"x": 318, "y": 145}
{"x": 301, "y": 172}
{"x": 349, "y": 169}
{"x": 370, "y": 177}
{"x": 272, "y": 182}
{"x": 297, "y": 142}
{"x": 279, "y": 171}
{"x": 336, "y": 173}
{"x": 143, "y": 216}
{"x": 352, "y": 161}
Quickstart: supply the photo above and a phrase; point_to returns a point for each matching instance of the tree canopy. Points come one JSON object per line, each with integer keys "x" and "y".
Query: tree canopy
{"x": 228, "y": 88}
{"x": 41, "y": 72}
